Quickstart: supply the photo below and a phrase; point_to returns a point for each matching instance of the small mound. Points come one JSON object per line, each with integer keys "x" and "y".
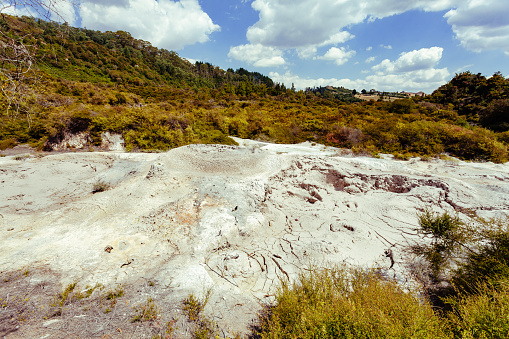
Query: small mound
{"x": 217, "y": 160}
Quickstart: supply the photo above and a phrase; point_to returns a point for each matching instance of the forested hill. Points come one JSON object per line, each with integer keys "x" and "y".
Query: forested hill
{"x": 116, "y": 57}
{"x": 481, "y": 100}
{"x": 89, "y": 82}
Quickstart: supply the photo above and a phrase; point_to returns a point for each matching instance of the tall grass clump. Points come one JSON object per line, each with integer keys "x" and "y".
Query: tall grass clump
{"x": 340, "y": 303}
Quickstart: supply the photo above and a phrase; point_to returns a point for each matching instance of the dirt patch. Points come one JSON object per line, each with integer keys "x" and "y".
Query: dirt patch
{"x": 33, "y": 304}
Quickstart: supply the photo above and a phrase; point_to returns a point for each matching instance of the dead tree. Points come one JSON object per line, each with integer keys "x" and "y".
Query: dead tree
{"x": 18, "y": 73}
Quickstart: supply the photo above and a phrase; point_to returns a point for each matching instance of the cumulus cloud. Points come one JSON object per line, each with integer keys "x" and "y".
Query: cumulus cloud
{"x": 481, "y": 25}
{"x": 305, "y": 25}
{"x": 412, "y": 71}
{"x": 165, "y": 23}
{"x": 257, "y": 55}
{"x": 337, "y": 38}
{"x": 302, "y": 23}
{"x": 425, "y": 58}
{"x": 339, "y": 55}
{"x": 426, "y": 81}
{"x": 302, "y": 83}
{"x": 63, "y": 11}
{"x": 118, "y": 3}
{"x": 307, "y": 52}
{"x": 385, "y": 8}
{"x": 370, "y": 60}
{"x": 420, "y": 80}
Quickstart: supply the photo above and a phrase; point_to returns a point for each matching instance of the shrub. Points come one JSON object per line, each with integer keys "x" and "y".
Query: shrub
{"x": 446, "y": 236}
{"x": 7, "y": 143}
{"x": 340, "y": 304}
{"x": 482, "y": 315}
{"x": 489, "y": 264}
{"x": 193, "y": 309}
{"x": 145, "y": 312}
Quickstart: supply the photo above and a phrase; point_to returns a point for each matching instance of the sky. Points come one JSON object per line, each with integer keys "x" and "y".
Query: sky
{"x": 388, "y": 45}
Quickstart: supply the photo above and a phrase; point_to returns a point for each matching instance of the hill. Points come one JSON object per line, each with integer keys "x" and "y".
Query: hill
{"x": 91, "y": 84}
{"x": 481, "y": 100}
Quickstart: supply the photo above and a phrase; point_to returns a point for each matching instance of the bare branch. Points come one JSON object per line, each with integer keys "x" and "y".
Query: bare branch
{"x": 47, "y": 9}
{"x": 18, "y": 74}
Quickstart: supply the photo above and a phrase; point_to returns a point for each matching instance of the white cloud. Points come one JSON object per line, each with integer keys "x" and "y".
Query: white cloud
{"x": 257, "y": 55}
{"x": 63, "y": 10}
{"x": 412, "y": 71}
{"x": 420, "y": 80}
{"x": 369, "y": 48}
{"x": 481, "y": 25}
{"x": 339, "y": 55}
{"x": 370, "y": 60}
{"x": 425, "y": 81}
{"x": 385, "y": 8}
{"x": 425, "y": 58}
{"x": 165, "y": 23}
{"x": 118, "y": 3}
{"x": 338, "y": 38}
{"x": 303, "y": 23}
{"x": 300, "y": 83}
{"x": 18, "y": 11}
{"x": 191, "y": 60}
{"x": 307, "y": 52}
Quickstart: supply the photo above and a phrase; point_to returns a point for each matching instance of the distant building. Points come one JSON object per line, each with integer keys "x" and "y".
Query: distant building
{"x": 411, "y": 95}
{"x": 408, "y": 94}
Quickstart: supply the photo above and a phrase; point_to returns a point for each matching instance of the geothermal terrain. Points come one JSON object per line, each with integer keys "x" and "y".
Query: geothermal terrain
{"x": 226, "y": 224}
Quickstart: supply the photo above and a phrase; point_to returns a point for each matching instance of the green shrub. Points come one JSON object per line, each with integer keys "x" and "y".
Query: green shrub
{"x": 446, "y": 235}
{"x": 147, "y": 311}
{"x": 481, "y": 315}
{"x": 488, "y": 264}
{"x": 7, "y": 143}
{"x": 193, "y": 308}
{"x": 340, "y": 304}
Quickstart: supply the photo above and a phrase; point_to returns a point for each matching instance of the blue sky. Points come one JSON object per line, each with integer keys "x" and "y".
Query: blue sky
{"x": 390, "y": 45}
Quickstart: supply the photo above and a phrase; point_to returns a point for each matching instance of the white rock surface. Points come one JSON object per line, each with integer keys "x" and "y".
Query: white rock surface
{"x": 236, "y": 219}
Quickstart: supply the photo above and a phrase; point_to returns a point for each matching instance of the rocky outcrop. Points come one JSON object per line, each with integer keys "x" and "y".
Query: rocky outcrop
{"x": 83, "y": 141}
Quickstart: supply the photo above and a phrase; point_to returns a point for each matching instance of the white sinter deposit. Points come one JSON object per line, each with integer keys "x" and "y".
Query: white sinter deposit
{"x": 237, "y": 219}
